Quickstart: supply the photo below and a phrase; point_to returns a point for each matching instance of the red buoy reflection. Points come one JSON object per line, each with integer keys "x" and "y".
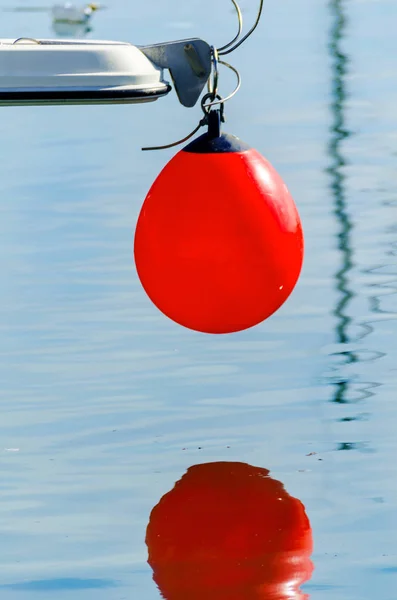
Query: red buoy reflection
{"x": 228, "y": 531}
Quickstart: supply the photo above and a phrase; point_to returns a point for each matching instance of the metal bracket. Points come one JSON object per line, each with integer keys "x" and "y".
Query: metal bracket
{"x": 189, "y": 63}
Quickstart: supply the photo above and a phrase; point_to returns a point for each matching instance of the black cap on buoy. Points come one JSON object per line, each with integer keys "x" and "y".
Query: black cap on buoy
{"x": 215, "y": 142}
{"x": 223, "y": 144}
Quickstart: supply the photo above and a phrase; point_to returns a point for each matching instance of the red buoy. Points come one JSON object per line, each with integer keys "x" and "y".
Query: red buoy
{"x": 219, "y": 243}
{"x": 228, "y": 531}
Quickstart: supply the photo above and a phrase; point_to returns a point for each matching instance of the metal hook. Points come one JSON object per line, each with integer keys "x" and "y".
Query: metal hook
{"x": 212, "y": 95}
{"x": 206, "y": 108}
{"x": 215, "y": 99}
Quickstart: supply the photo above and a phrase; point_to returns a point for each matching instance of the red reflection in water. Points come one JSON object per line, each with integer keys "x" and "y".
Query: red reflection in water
{"x": 228, "y": 531}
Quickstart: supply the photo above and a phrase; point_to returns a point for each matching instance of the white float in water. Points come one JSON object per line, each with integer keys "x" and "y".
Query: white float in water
{"x": 69, "y": 13}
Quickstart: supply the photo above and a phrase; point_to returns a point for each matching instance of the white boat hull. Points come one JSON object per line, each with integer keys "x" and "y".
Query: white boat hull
{"x": 76, "y": 72}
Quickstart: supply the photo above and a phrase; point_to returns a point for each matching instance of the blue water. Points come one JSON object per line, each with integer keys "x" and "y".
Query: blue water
{"x": 105, "y": 403}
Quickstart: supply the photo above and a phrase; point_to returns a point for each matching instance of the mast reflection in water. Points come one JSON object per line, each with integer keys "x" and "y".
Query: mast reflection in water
{"x": 339, "y": 133}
